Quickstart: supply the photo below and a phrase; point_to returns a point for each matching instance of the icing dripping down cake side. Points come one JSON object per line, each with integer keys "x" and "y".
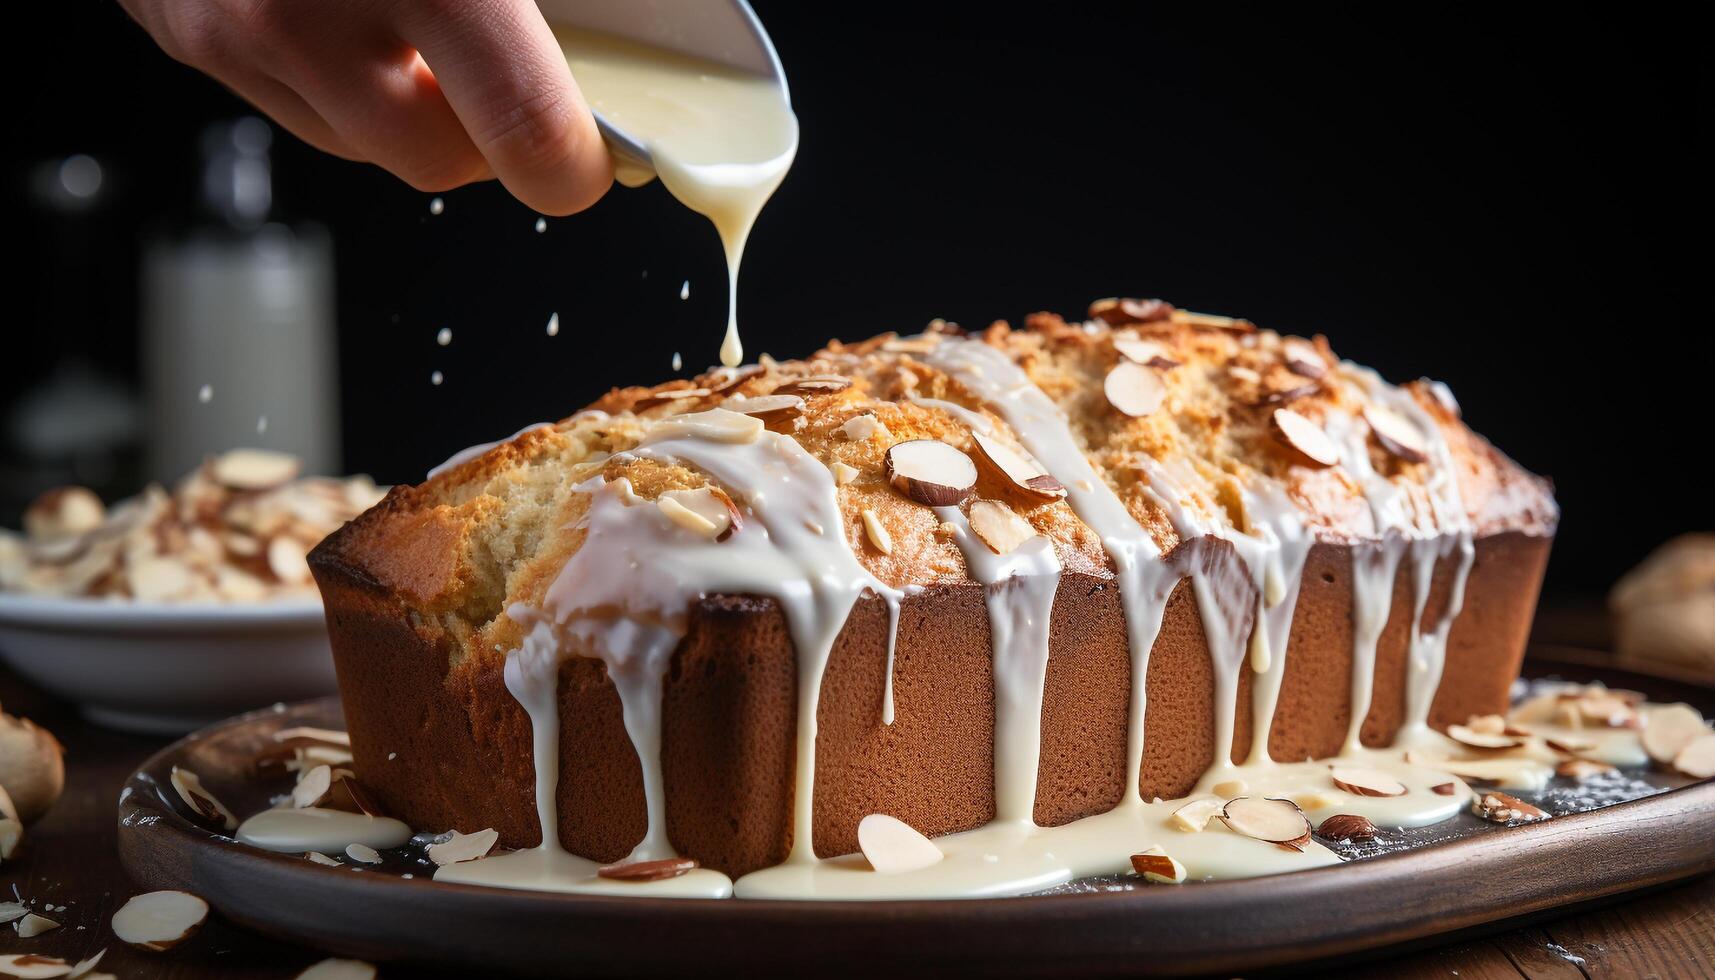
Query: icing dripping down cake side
{"x": 1182, "y": 543}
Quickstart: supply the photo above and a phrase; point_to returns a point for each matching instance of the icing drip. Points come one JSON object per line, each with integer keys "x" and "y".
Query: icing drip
{"x": 1374, "y": 564}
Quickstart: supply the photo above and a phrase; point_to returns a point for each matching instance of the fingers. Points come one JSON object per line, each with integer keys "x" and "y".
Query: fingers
{"x": 290, "y": 110}
{"x": 504, "y": 76}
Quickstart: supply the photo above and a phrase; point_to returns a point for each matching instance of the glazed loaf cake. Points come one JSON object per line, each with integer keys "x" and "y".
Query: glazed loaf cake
{"x": 1287, "y": 554}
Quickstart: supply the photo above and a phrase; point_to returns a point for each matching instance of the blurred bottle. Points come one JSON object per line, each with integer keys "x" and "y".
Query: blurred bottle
{"x": 238, "y": 321}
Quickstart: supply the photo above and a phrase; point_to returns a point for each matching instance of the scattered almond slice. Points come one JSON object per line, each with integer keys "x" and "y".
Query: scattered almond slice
{"x": 1669, "y": 729}
{"x": 1467, "y": 736}
{"x": 1195, "y": 815}
{"x": 1501, "y": 770}
{"x": 843, "y": 474}
{"x": 32, "y": 925}
{"x": 1016, "y": 470}
{"x": 312, "y": 786}
{"x": 159, "y": 920}
{"x": 200, "y": 800}
{"x": 877, "y": 534}
{"x": 1366, "y": 782}
{"x": 1303, "y": 359}
{"x": 893, "y": 847}
{"x": 348, "y": 794}
{"x": 338, "y": 970}
{"x": 771, "y": 409}
{"x": 1272, "y": 820}
{"x": 707, "y": 511}
{"x": 1582, "y": 769}
{"x": 1504, "y": 808}
{"x": 33, "y": 966}
{"x": 86, "y": 965}
{"x": 288, "y": 559}
{"x": 818, "y": 384}
{"x": 670, "y": 395}
{"x": 253, "y": 469}
{"x": 1213, "y": 321}
{"x": 1347, "y": 826}
{"x": 1608, "y": 709}
{"x": 463, "y": 847}
{"x": 862, "y": 428}
{"x": 1310, "y": 440}
{"x": 12, "y": 910}
{"x": 1141, "y": 350}
{"x": 1134, "y": 389}
{"x": 317, "y": 857}
{"x": 1697, "y": 758}
{"x": 331, "y": 736}
{"x": 1487, "y": 724}
{"x": 648, "y": 870}
{"x": 930, "y": 472}
{"x": 1569, "y": 746}
{"x": 1396, "y": 433}
{"x": 1157, "y": 866}
{"x": 159, "y": 579}
{"x": 999, "y": 527}
{"x": 363, "y": 853}
{"x": 1119, "y": 310}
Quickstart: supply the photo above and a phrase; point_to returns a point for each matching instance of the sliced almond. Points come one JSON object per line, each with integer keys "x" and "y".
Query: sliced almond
{"x": 288, "y": 559}
{"x": 33, "y": 966}
{"x": 1142, "y": 350}
{"x": 1272, "y": 820}
{"x": 201, "y": 801}
{"x": 159, "y": 579}
{"x": 1134, "y": 389}
{"x": 349, "y": 795}
{"x": 312, "y": 787}
{"x": 816, "y": 384}
{"x": 724, "y": 379}
{"x": 84, "y": 966}
{"x": 670, "y": 395}
{"x": 463, "y": 847}
{"x": 1467, "y": 736}
{"x": 338, "y": 970}
{"x": 159, "y": 920}
{"x": 63, "y": 512}
{"x": 12, "y": 910}
{"x": 771, "y": 409}
{"x": 1195, "y": 815}
{"x": 1498, "y": 770}
{"x": 1366, "y": 782}
{"x": 253, "y": 469}
{"x": 1670, "y": 728}
{"x": 1487, "y": 724}
{"x": 862, "y": 428}
{"x": 893, "y": 847}
{"x": 1582, "y": 769}
{"x": 1019, "y": 472}
{"x": 331, "y": 736}
{"x": 1299, "y": 433}
{"x": 32, "y": 925}
{"x": 1303, "y": 359}
{"x": 1156, "y": 865}
{"x": 843, "y": 474}
{"x": 648, "y": 870}
{"x": 1118, "y": 310}
{"x": 1396, "y": 433}
{"x": 1697, "y": 758}
{"x": 930, "y": 472}
{"x": 1213, "y": 321}
{"x": 877, "y": 534}
{"x": 1347, "y": 826}
{"x": 1569, "y": 746}
{"x": 1608, "y": 709}
{"x": 997, "y": 526}
{"x": 707, "y": 511}
{"x": 317, "y": 857}
{"x": 1504, "y": 808}
{"x": 363, "y": 853}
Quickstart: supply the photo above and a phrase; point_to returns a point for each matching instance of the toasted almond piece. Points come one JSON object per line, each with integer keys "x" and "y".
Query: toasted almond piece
{"x": 363, "y": 853}
{"x": 157, "y": 579}
{"x": 253, "y": 469}
{"x": 1303, "y": 359}
{"x": 706, "y": 510}
{"x": 12, "y": 910}
{"x": 1273, "y": 820}
{"x": 1465, "y": 735}
{"x": 1608, "y": 709}
{"x": 349, "y": 795}
{"x": 862, "y": 428}
{"x": 1444, "y": 789}
{"x": 333, "y": 969}
{"x": 1487, "y": 724}
{"x": 771, "y": 409}
{"x": 1195, "y": 815}
{"x": 1504, "y": 808}
{"x": 1115, "y": 310}
{"x": 32, "y": 925}
{"x": 723, "y": 379}
{"x": 930, "y": 472}
{"x": 1497, "y": 770}
{"x": 1569, "y": 746}
{"x": 670, "y": 395}
{"x": 1366, "y": 782}
{"x": 331, "y": 736}
{"x": 843, "y": 474}
{"x": 1697, "y": 758}
{"x": 1213, "y": 321}
{"x": 1582, "y": 769}
{"x": 159, "y": 920}
{"x": 200, "y": 800}
{"x": 1019, "y": 472}
{"x": 1396, "y": 433}
{"x": 1670, "y": 728}
{"x": 63, "y": 512}
{"x": 1142, "y": 350}
{"x": 463, "y": 847}
{"x": 893, "y": 847}
{"x": 33, "y": 966}
{"x": 877, "y": 534}
{"x": 997, "y": 526}
{"x": 1134, "y": 389}
{"x": 317, "y": 857}
{"x": 312, "y": 786}
{"x": 1299, "y": 433}
{"x": 648, "y": 870}
{"x": 288, "y": 559}
{"x": 1347, "y": 826}
{"x": 910, "y": 345}
{"x": 1156, "y": 865}
{"x": 816, "y": 384}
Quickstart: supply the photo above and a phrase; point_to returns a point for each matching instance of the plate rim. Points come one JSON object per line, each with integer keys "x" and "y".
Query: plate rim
{"x": 80, "y": 614}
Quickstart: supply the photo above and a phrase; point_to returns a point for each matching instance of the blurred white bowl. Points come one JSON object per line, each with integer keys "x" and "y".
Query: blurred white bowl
{"x": 163, "y": 667}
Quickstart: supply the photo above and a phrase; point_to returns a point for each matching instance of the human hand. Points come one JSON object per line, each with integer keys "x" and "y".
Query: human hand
{"x": 440, "y": 92}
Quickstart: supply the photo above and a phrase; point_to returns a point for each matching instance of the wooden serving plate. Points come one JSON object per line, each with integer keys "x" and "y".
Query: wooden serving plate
{"x": 1468, "y": 875}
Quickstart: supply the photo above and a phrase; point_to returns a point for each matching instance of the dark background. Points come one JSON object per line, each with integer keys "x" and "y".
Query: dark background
{"x": 1519, "y": 207}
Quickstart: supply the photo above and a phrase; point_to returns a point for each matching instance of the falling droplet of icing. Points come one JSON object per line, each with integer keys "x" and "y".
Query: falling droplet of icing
{"x": 205, "y": 394}
{"x": 436, "y": 378}
{"x": 678, "y": 362}
{"x": 554, "y": 325}
{"x": 685, "y": 290}
{"x": 437, "y": 205}
{"x": 445, "y": 336}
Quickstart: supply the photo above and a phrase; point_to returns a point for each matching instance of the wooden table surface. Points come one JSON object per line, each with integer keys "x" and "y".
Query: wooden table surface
{"x": 70, "y": 860}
